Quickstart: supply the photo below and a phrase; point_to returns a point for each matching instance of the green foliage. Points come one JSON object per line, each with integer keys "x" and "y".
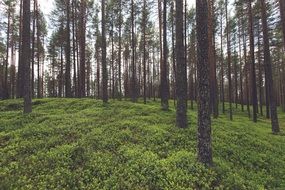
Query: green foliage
{"x": 81, "y": 144}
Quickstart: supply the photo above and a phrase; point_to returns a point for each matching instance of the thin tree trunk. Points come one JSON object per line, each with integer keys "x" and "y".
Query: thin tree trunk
{"x": 104, "y": 62}
{"x": 229, "y": 62}
{"x": 164, "y": 78}
{"x": 253, "y": 72}
{"x": 33, "y": 49}
{"x": 68, "y": 93}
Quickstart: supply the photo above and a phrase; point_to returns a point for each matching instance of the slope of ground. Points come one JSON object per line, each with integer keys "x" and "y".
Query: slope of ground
{"x": 80, "y": 144}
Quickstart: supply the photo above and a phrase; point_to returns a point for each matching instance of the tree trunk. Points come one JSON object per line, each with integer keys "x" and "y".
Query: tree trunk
{"x": 26, "y": 56}
{"x": 104, "y": 62}
{"x": 181, "y": 83}
{"x": 120, "y": 49}
{"x": 229, "y": 62}
{"x": 134, "y": 78}
{"x": 268, "y": 71}
{"x": 6, "y": 90}
{"x": 82, "y": 25}
{"x": 33, "y": 49}
{"x": 67, "y": 53}
{"x": 204, "y": 119}
{"x": 253, "y": 73}
{"x": 164, "y": 79}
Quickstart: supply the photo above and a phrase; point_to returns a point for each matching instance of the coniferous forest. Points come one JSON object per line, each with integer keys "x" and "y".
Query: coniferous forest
{"x": 142, "y": 94}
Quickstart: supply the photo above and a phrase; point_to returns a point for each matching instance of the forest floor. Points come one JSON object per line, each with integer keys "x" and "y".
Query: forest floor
{"x": 81, "y": 144}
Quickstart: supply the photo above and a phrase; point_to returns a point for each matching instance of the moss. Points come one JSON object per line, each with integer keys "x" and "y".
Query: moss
{"x": 83, "y": 144}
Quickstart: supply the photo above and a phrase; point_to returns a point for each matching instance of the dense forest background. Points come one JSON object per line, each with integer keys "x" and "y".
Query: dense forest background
{"x": 219, "y": 52}
{"x": 89, "y": 77}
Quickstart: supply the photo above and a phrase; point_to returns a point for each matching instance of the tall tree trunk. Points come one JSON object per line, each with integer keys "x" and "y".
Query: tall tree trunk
{"x": 104, "y": 62}
{"x": 120, "y": 49}
{"x": 6, "y": 89}
{"x": 229, "y": 61}
{"x": 112, "y": 62}
{"x": 253, "y": 72}
{"x": 33, "y": 49}
{"x": 213, "y": 86}
{"x": 134, "y": 78}
{"x": 60, "y": 85}
{"x": 82, "y": 38}
{"x": 68, "y": 93}
{"x": 164, "y": 79}
{"x": 144, "y": 50}
{"x": 173, "y": 53}
{"x": 26, "y": 56}
{"x": 204, "y": 119}
{"x": 20, "y": 86}
{"x": 181, "y": 83}
{"x": 74, "y": 49}
{"x": 13, "y": 67}
{"x": 222, "y": 66}
{"x": 268, "y": 71}
{"x": 240, "y": 67}
{"x": 39, "y": 93}
{"x": 246, "y": 68}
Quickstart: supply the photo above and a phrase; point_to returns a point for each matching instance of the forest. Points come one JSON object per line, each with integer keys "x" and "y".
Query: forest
{"x": 142, "y": 94}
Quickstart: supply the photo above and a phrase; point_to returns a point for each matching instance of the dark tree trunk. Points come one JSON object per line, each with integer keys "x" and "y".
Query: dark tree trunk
{"x": 246, "y": 68}
{"x": 173, "y": 53}
{"x": 74, "y": 50}
{"x": 222, "y": 67}
{"x": 268, "y": 71}
{"x": 26, "y": 56}
{"x": 104, "y": 62}
{"x": 33, "y": 50}
{"x": 68, "y": 93}
{"x": 240, "y": 68}
{"x": 253, "y": 73}
{"x": 39, "y": 91}
{"x": 211, "y": 54}
{"x": 181, "y": 83}
{"x": 134, "y": 78}
{"x": 229, "y": 62}
{"x": 164, "y": 79}
{"x": 120, "y": 49}
{"x": 6, "y": 89}
{"x": 144, "y": 50}
{"x": 82, "y": 44}
{"x": 204, "y": 119}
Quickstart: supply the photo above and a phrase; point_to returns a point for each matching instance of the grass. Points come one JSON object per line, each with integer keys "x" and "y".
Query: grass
{"x": 81, "y": 144}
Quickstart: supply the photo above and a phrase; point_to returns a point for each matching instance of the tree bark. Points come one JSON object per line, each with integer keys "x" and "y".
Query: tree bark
{"x": 164, "y": 79}
{"x": 26, "y": 56}
{"x": 181, "y": 83}
{"x": 68, "y": 93}
{"x": 253, "y": 73}
{"x": 104, "y": 62}
{"x": 268, "y": 71}
{"x": 204, "y": 118}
